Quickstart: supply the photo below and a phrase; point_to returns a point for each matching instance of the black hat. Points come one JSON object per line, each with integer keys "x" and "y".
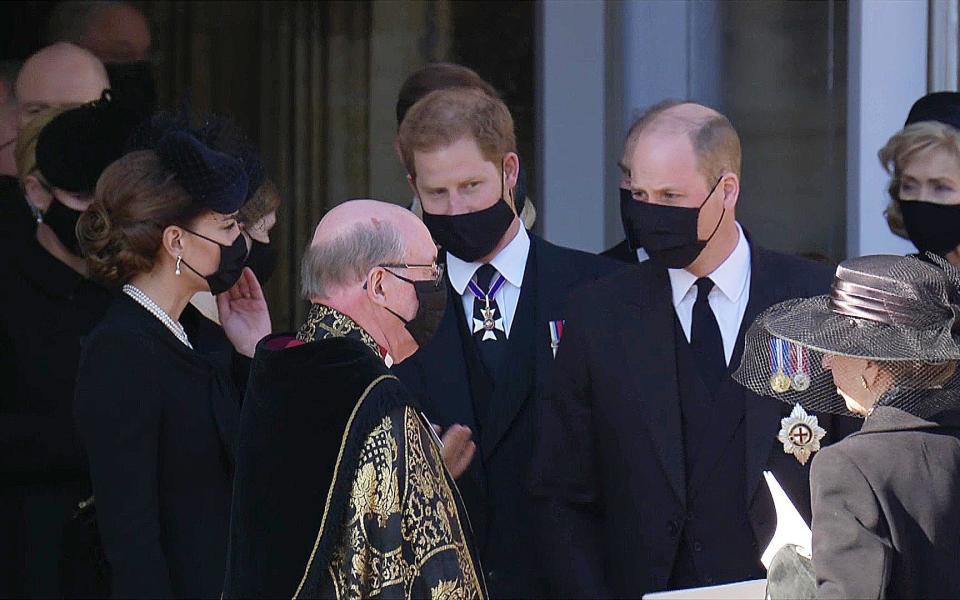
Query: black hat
{"x": 943, "y": 107}
{"x": 213, "y": 179}
{"x": 215, "y": 132}
{"x": 225, "y": 135}
{"x": 78, "y": 144}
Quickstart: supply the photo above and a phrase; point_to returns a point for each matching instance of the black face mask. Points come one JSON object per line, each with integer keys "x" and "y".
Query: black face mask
{"x": 232, "y": 260}
{"x": 667, "y": 233}
{"x": 262, "y": 260}
{"x": 134, "y": 86}
{"x": 431, "y": 306}
{"x": 471, "y": 236}
{"x": 931, "y": 227}
{"x": 63, "y": 221}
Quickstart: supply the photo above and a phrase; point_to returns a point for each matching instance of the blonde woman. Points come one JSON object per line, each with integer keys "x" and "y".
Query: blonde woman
{"x": 47, "y": 307}
{"x": 923, "y": 160}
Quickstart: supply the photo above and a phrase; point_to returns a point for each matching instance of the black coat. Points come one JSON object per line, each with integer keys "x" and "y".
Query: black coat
{"x": 621, "y": 252}
{"x": 17, "y": 223}
{"x": 886, "y": 509}
{"x": 495, "y": 487}
{"x": 609, "y": 468}
{"x": 159, "y": 423}
{"x": 45, "y": 310}
{"x": 304, "y": 439}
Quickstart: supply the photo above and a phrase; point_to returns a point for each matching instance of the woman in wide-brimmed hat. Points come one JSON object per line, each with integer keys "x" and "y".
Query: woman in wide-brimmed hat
{"x": 882, "y": 345}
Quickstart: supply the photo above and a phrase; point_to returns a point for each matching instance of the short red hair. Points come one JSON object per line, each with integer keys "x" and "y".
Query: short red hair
{"x": 444, "y": 116}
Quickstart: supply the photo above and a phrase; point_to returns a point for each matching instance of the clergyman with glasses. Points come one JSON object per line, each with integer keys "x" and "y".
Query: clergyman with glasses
{"x": 340, "y": 488}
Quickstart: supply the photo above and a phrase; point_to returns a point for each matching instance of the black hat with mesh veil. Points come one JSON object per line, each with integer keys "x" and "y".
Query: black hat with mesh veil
{"x": 898, "y": 313}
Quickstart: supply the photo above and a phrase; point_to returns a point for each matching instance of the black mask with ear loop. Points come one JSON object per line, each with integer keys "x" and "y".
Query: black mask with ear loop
{"x": 932, "y": 227}
{"x": 232, "y": 260}
{"x": 262, "y": 260}
{"x": 61, "y": 219}
{"x": 431, "y": 306}
{"x": 667, "y": 233}
{"x": 471, "y": 236}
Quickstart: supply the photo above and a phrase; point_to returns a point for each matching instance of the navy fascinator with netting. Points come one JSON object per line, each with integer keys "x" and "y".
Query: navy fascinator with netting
{"x": 213, "y": 179}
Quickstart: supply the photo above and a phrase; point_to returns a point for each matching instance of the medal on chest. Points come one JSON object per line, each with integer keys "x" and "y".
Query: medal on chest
{"x": 800, "y": 434}
{"x": 800, "y": 365}
{"x": 556, "y": 332}
{"x": 789, "y": 367}
{"x": 490, "y": 324}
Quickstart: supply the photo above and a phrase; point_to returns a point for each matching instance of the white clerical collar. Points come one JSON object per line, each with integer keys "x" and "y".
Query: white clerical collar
{"x": 730, "y": 277}
{"x": 511, "y": 262}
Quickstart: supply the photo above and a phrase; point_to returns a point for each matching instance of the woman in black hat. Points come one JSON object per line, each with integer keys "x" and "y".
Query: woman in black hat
{"x": 883, "y": 345}
{"x": 923, "y": 161}
{"x": 255, "y": 218}
{"x": 158, "y": 418}
{"x": 46, "y": 307}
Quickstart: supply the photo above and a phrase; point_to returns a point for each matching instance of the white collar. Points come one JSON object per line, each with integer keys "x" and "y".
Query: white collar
{"x": 511, "y": 262}
{"x": 730, "y": 277}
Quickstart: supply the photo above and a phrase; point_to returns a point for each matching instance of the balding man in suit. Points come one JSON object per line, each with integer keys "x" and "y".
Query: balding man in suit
{"x": 649, "y": 456}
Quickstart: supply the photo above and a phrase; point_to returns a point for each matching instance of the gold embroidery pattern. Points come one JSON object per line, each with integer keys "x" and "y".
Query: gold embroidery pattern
{"x": 332, "y": 323}
{"x": 416, "y": 541}
{"x": 336, "y": 470}
{"x": 432, "y": 524}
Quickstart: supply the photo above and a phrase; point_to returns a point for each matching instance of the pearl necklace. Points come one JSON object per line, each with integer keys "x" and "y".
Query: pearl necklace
{"x": 143, "y": 300}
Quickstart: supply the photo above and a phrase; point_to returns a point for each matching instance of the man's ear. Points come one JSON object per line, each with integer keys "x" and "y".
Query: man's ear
{"x": 511, "y": 168}
{"x": 374, "y": 287}
{"x": 511, "y": 174}
{"x": 37, "y": 194}
{"x": 731, "y": 190}
{"x": 413, "y": 186}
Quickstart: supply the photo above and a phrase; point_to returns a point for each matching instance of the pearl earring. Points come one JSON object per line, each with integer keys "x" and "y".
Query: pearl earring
{"x": 179, "y": 260}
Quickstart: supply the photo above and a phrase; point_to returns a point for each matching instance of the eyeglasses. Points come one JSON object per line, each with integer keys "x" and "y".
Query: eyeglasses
{"x": 435, "y": 268}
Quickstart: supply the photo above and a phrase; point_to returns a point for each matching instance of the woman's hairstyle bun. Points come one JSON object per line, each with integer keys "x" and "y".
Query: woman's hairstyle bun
{"x": 136, "y": 199}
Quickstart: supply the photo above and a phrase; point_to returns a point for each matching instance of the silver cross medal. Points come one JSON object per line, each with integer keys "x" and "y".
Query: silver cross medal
{"x": 489, "y": 324}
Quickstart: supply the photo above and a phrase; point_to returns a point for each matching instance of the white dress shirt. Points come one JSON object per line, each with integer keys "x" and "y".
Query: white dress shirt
{"x": 511, "y": 262}
{"x": 728, "y": 298}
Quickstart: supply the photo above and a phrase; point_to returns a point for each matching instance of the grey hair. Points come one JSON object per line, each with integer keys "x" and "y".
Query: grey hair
{"x": 70, "y": 20}
{"x": 348, "y": 257}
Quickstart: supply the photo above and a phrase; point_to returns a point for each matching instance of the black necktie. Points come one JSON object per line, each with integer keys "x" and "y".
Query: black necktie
{"x": 488, "y": 328}
{"x": 705, "y": 338}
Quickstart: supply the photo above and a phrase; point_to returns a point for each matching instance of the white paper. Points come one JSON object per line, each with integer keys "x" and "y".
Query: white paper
{"x": 791, "y": 528}
{"x": 745, "y": 590}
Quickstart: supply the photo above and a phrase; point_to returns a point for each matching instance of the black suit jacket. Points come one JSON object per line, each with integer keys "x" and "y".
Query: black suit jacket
{"x": 159, "y": 424}
{"x": 621, "y": 252}
{"x": 609, "y": 468}
{"x": 886, "y": 509}
{"x": 495, "y": 487}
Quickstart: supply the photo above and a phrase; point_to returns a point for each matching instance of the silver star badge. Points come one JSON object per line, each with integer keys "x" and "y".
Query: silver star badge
{"x": 488, "y": 325}
{"x": 800, "y": 434}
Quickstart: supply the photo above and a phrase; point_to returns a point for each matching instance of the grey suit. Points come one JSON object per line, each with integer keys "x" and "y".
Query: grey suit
{"x": 886, "y": 509}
